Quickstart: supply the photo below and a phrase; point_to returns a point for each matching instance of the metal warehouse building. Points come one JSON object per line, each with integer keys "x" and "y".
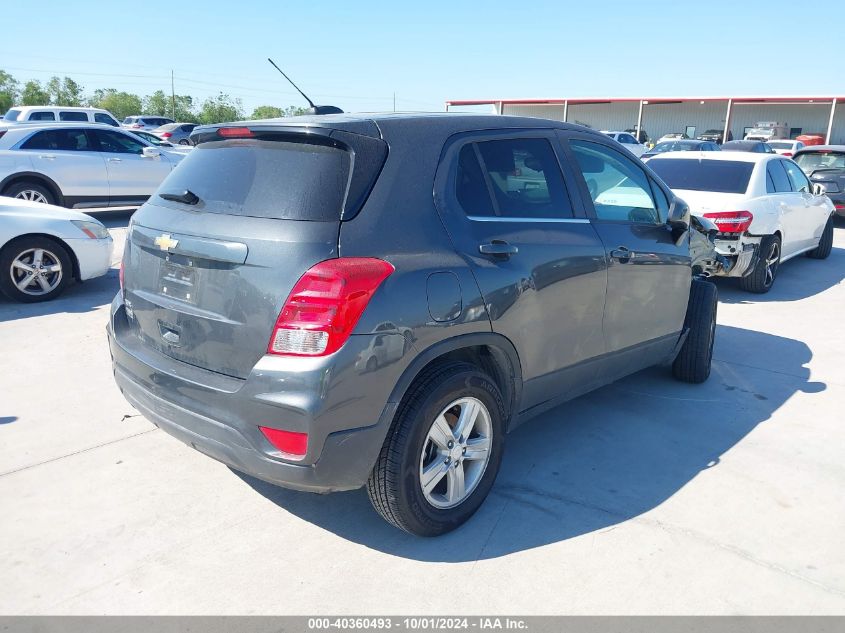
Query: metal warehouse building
{"x": 692, "y": 115}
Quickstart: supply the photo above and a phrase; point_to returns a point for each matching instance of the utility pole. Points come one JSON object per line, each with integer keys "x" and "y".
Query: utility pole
{"x": 173, "y": 94}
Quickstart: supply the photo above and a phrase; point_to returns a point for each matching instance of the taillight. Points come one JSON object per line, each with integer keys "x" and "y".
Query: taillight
{"x": 787, "y": 154}
{"x": 325, "y": 305}
{"x": 289, "y": 442}
{"x": 166, "y": 135}
{"x": 731, "y": 221}
{"x": 137, "y": 126}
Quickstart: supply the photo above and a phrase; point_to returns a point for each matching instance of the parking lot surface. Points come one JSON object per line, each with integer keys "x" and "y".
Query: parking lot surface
{"x": 648, "y": 496}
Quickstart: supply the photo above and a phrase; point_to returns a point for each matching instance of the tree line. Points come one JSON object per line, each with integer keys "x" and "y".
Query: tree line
{"x": 64, "y": 91}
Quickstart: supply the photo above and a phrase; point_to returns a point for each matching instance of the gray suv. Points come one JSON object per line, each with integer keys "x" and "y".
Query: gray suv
{"x": 332, "y": 302}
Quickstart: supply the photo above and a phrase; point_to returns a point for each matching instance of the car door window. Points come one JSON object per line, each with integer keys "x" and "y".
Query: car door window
{"x": 99, "y": 117}
{"x": 776, "y": 173}
{"x": 73, "y": 116}
{"x": 619, "y": 189}
{"x": 797, "y": 178}
{"x": 59, "y": 140}
{"x": 116, "y": 143}
{"x": 42, "y": 116}
{"x": 515, "y": 178}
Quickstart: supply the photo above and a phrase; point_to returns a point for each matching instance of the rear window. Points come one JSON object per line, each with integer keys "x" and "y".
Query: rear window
{"x": 811, "y": 161}
{"x": 721, "y": 176}
{"x": 12, "y": 115}
{"x": 265, "y": 179}
{"x": 781, "y": 144}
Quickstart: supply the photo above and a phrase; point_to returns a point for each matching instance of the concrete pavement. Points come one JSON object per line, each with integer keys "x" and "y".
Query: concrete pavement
{"x": 648, "y": 496}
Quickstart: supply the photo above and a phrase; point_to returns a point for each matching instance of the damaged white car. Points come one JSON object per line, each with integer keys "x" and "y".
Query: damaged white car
{"x": 766, "y": 210}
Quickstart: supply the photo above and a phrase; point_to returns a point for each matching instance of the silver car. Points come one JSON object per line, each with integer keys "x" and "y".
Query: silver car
{"x": 81, "y": 166}
{"x": 148, "y": 123}
{"x": 176, "y": 133}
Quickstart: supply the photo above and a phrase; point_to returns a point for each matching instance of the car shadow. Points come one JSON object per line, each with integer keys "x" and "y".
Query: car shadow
{"x": 594, "y": 462}
{"x": 76, "y": 298}
{"x": 797, "y": 279}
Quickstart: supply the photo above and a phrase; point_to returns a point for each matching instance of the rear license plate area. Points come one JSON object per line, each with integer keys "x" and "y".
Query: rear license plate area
{"x": 178, "y": 281}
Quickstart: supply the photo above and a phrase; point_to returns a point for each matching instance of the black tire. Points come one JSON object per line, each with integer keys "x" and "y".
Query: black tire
{"x": 25, "y": 189}
{"x": 372, "y": 363}
{"x": 822, "y": 251}
{"x": 692, "y": 364}
{"x": 759, "y": 281}
{"x": 53, "y": 252}
{"x": 394, "y": 486}
{"x": 184, "y": 141}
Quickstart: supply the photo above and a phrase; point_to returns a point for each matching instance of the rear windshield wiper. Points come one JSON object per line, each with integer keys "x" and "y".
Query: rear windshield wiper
{"x": 186, "y": 197}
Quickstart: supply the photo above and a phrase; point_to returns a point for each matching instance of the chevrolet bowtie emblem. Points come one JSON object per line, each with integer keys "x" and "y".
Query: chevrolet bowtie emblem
{"x": 165, "y": 242}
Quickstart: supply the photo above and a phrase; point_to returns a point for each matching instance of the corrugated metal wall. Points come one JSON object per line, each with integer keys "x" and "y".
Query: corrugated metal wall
{"x": 663, "y": 118}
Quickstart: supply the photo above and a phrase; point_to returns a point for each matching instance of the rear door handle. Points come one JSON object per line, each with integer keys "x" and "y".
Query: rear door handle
{"x": 498, "y": 248}
{"x": 115, "y": 160}
{"x": 623, "y": 254}
{"x": 47, "y": 156}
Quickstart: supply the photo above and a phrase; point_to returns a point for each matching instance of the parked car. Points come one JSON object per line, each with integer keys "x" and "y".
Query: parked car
{"x": 176, "y": 133}
{"x": 825, "y": 166}
{"x": 257, "y": 278}
{"x": 42, "y": 247}
{"x": 641, "y": 136}
{"x": 785, "y": 147}
{"x": 157, "y": 142}
{"x": 766, "y": 209}
{"x": 682, "y": 146}
{"x": 48, "y": 114}
{"x": 758, "y": 147}
{"x": 80, "y": 166}
{"x": 715, "y": 136}
{"x": 628, "y": 141}
{"x": 148, "y": 123}
{"x": 672, "y": 136}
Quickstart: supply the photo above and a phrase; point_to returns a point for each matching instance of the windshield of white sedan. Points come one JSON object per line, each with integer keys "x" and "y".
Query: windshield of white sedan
{"x": 811, "y": 161}
{"x": 720, "y": 176}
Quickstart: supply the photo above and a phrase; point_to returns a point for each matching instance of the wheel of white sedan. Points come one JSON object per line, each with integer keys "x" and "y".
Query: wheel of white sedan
{"x": 34, "y": 269}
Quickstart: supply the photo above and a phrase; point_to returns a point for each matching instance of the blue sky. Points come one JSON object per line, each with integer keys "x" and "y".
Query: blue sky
{"x": 357, "y": 54}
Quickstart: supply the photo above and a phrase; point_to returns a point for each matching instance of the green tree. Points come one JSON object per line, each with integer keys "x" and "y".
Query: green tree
{"x": 8, "y": 91}
{"x": 220, "y": 109}
{"x": 295, "y": 111}
{"x": 160, "y": 104}
{"x": 267, "y": 112}
{"x": 65, "y": 92}
{"x": 120, "y": 104}
{"x": 33, "y": 93}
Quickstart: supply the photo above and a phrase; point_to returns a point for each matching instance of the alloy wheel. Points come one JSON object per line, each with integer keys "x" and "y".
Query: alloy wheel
{"x": 32, "y": 195}
{"x": 455, "y": 453}
{"x": 772, "y": 260}
{"x": 36, "y": 271}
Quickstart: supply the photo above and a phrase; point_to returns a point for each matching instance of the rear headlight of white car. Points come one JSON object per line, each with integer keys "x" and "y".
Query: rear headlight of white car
{"x": 731, "y": 221}
{"x": 94, "y": 230}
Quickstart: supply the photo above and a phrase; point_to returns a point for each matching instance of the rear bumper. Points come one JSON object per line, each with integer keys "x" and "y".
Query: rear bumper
{"x": 741, "y": 254}
{"x": 219, "y": 415}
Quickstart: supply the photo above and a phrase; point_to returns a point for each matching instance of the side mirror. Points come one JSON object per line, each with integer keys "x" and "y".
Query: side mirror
{"x": 679, "y": 218}
{"x": 818, "y": 189}
{"x": 151, "y": 152}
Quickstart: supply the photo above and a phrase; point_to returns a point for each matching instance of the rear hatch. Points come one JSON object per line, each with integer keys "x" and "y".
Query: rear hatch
{"x": 214, "y": 254}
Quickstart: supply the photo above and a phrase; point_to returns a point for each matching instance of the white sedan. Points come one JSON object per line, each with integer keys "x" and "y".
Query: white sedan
{"x": 766, "y": 209}
{"x": 42, "y": 247}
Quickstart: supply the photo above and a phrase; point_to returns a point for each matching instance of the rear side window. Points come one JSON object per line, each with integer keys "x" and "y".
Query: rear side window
{"x": 776, "y": 179}
{"x": 12, "y": 115}
{"x": 721, "y": 176}
{"x": 265, "y": 179}
{"x": 65, "y": 140}
{"x": 73, "y": 116}
{"x": 99, "y": 117}
{"x": 41, "y": 116}
{"x": 518, "y": 178}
